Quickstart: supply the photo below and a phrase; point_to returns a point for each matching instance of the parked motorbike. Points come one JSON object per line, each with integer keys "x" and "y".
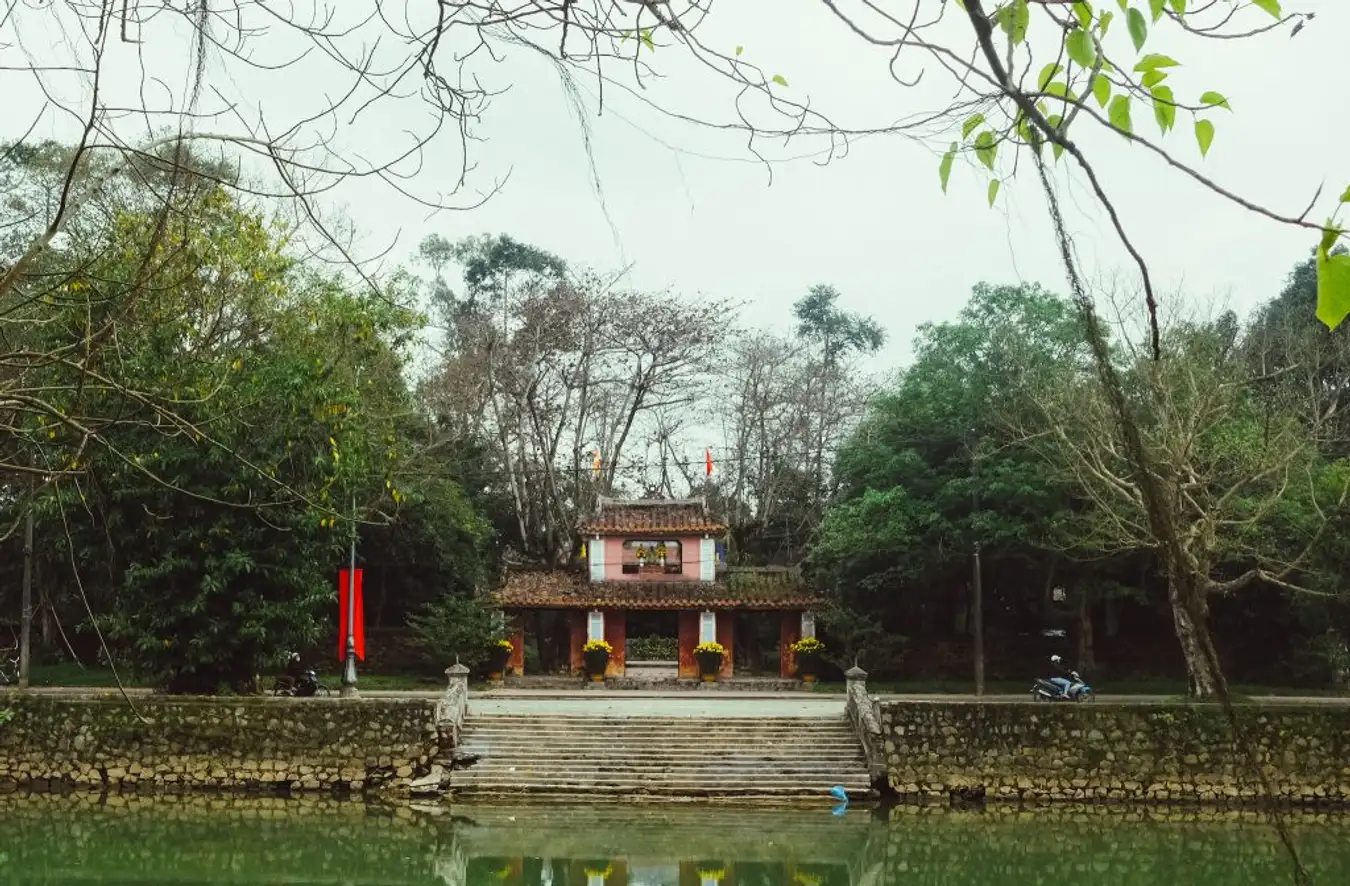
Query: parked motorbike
{"x": 1068, "y": 688}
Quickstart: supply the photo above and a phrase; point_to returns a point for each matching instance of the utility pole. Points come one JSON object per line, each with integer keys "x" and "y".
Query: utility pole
{"x": 26, "y": 613}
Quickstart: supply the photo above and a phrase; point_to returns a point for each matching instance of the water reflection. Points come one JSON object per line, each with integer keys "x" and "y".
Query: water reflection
{"x": 62, "y": 841}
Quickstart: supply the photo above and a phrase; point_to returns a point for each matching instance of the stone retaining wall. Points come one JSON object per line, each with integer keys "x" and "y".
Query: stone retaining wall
{"x": 1120, "y": 752}
{"x": 191, "y": 744}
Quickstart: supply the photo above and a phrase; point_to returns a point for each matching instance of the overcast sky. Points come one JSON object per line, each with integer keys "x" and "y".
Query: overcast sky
{"x": 692, "y": 209}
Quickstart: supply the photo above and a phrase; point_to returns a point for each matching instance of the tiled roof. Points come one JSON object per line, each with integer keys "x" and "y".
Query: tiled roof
{"x": 759, "y": 589}
{"x": 651, "y": 517}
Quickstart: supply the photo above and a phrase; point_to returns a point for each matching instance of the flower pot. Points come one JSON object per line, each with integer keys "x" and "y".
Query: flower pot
{"x": 808, "y": 666}
{"x": 596, "y": 661}
{"x": 494, "y": 676}
{"x": 709, "y": 665}
{"x": 496, "y": 663}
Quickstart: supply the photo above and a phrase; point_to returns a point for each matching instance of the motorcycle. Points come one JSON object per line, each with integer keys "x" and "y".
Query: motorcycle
{"x": 305, "y": 684}
{"x": 1070, "y": 688}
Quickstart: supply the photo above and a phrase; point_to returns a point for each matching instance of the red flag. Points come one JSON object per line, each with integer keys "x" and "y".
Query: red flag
{"x": 359, "y": 629}
{"x": 707, "y": 454}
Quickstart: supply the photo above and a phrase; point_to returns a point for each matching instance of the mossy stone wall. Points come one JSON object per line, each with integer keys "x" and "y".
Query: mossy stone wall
{"x": 1123, "y": 752}
{"x": 188, "y": 744}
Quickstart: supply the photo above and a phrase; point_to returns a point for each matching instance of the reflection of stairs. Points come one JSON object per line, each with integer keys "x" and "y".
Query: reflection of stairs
{"x": 749, "y": 757}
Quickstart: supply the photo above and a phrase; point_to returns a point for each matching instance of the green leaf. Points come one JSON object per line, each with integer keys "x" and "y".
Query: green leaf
{"x": 1048, "y": 73}
{"x": 1164, "y": 108}
{"x": 1156, "y": 7}
{"x": 1059, "y": 89}
{"x": 1204, "y": 134}
{"x": 1101, "y": 90}
{"x": 1270, "y": 6}
{"x": 1119, "y": 114}
{"x": 1156, "y": 60}
{"x": 780, "y": 79}
{"x": 1104, "y": 23}
{"x": 945, "y": 167}
{"x": 1333, "y": 281}
{"x": 1083, "y": 10}
{"x": 993, "y": 191}
{"x": 1214, "y": 99}
{"x": 971, "y": 125}
{"x": 1015, "y": 19}
{"x": 1345, "y": 198}
{"x": 1134, "y": 19}
{"x": 986, "y": 147}
{"x": 1055, "y": 120}
{"x": 740, "y": 49}
{"x": 1079, "y": 46}
{"x": 1153, "y": 78}
{"x": 647, "y": 40}
{"x": 1179, "y": 6}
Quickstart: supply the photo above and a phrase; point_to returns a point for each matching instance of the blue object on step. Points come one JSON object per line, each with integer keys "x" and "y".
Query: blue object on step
{"x": 839, "y": 794}
{"x": 840, "y": 810}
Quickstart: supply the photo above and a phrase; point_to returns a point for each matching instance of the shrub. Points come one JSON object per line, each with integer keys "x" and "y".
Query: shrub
{"x": 653, "y": 649}
{"x": 453, "y": 627}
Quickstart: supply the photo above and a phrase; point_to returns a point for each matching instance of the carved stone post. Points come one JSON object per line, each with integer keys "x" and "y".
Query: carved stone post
{"x": 450, "y": 709}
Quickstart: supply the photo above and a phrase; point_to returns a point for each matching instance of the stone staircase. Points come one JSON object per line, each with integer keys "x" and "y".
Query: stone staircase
{"x": 753, "y": 758}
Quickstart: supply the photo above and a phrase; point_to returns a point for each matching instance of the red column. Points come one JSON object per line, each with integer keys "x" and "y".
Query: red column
{"x": 688, "y": 669}
{"x": 576, "y": 630}
{"x": 516, "y": 663}
{"x": 616, "y": 634}
{"x": 789, "y": 633}
{"x": 726, "y": 635}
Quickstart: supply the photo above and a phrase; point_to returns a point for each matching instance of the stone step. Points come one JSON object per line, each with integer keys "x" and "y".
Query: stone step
{"x": 653, "y": 755}
{"x": 588, "y": 740}
{"x": 625, "y": 720}
{"x": 710, "y": 781}
{"x": 699, "y": 731}
{"x": 685, "y": 789}
{"x": 670, "y": 762}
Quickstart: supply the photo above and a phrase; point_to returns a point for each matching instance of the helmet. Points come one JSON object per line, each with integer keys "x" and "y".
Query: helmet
{"x": 1055, "y": 659}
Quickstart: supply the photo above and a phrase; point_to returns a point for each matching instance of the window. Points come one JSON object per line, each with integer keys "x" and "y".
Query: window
{"x": 808, "y": 624}
{"x": 707, "y": 627}
{"x": 652, "y": 557}
{"x": 595, "y": 625}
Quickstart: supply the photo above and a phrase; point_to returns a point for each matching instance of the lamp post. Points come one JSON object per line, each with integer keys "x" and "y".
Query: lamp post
{"x": 349, "y": 661}
{"x": 348, "y": 689}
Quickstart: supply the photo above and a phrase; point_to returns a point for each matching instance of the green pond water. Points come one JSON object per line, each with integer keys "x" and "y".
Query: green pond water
{"x": 69, "y": 840}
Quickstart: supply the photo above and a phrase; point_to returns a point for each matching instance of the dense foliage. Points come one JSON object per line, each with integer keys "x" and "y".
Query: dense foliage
{"x": 996, "y": 440}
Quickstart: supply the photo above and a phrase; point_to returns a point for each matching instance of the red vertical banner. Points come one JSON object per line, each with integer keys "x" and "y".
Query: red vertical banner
{"x": 359, "y": 630}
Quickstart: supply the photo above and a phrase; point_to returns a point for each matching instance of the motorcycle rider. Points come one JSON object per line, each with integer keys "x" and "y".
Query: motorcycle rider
{"x": 1064, "y": 677}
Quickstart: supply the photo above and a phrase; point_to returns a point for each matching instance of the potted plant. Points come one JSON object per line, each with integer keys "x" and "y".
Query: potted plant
{"x": 499, "y": 653}
{"x": 809, "y": 652}
{"x": 596, "y": 655}
{"x": 661, "y": 554}
{"x": 709, "y": 657}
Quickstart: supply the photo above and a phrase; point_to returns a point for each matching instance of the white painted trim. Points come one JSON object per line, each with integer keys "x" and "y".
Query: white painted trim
{"x": 596, "y": 552}
{"x": 808, "y": 624}
{"x": 707, "y": 559}
{"x": 707, "y": 626}
{"x": 595, "y": 625}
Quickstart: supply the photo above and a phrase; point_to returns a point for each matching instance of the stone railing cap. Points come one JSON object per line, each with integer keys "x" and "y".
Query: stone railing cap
{"x": 855, "y": 673}
{"x": 457, "y": 670}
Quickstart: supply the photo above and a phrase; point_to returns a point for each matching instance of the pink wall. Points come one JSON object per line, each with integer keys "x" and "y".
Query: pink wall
{"x": 689, "y": 551}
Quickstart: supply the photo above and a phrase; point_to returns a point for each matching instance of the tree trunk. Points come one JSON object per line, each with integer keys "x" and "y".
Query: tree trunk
{"x": 1087, "y": 656}
{"x": 1201, "y": 676}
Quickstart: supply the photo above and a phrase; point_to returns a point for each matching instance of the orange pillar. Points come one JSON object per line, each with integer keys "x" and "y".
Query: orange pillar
{"x": 616, "y": 634}
{"x": 789, "y": 632}
{"x": 576, "y": 629}
{"x": 726, "y": 635}
{"x": 688, "y": 667}
{"x": 516, "y": 663}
